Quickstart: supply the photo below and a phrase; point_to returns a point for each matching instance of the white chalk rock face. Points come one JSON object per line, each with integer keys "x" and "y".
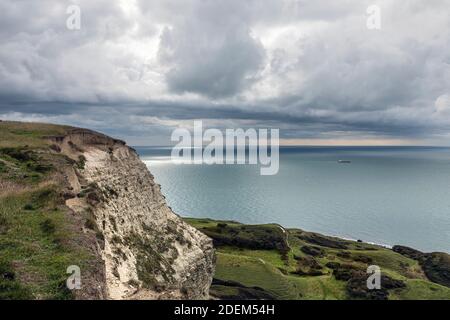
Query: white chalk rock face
{"x": 149, "y": 252}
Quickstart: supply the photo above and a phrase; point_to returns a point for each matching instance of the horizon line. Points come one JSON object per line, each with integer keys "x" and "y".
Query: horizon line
{"x": 313, "y": 146}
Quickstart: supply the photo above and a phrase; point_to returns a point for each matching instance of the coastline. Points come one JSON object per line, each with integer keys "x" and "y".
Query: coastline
{"x": 132, "y": 245}
{"x": 267, "y": 255}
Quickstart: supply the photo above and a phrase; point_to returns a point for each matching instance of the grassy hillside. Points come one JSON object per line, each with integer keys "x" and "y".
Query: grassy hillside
{"x": 294, "y": 264}
{"x": 39, "y": 238}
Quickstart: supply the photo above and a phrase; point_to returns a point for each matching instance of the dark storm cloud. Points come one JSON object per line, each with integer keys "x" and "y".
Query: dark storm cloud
{"x": 211, "y": 51}
{"x": 311, "y": 68}
{"x": 212, "y": 66}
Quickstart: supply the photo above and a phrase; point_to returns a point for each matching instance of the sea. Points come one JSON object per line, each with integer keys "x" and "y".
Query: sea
{"x": 383, "y": 195}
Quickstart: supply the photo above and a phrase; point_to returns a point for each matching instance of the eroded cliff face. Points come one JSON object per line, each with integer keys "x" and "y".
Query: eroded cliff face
{"x": 149, "y": 252}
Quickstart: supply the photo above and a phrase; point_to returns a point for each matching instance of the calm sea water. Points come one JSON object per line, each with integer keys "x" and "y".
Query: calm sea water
{"x": 386, "y": 195}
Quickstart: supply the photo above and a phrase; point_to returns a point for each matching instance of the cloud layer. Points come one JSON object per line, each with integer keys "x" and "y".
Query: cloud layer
{"x": 137, "y": 69}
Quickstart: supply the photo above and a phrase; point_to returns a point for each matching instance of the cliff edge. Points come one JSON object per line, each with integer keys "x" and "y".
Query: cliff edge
{"x": 137, "y": 247}
{"x": 149, "y": 252}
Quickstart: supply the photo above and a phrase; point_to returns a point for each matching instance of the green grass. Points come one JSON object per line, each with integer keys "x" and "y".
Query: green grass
{"x": 253, "y": 272}
{"x": 39, "y": 237}
{"x": 35, "y": 244}
{"x": 272, "y": 257}
{"x": 394, "y": 264}
{"x": 272, "y": 269}
{"x": 23, "y": 165}
{"x": 319, "y": 288}
{"x": 422, "y": 290}
{"x": 18, "y": 134}
{"x": 208, "y": 223}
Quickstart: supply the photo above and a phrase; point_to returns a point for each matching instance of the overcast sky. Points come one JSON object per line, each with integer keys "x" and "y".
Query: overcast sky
{"x": 137, "y": 69}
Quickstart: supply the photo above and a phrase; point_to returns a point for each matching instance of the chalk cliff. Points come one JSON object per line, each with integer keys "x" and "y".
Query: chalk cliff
{"x": 148, "y": 251}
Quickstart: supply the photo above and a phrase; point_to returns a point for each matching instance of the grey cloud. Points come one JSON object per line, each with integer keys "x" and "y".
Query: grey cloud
{"x": 210, "y": 52}
{"x": 311, "y": 68}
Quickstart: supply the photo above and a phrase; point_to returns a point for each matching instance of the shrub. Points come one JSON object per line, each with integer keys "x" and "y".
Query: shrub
{"x": 134, "y": 283}
{"x": 112, "y": 220}
{"x": 184, "y": 291}
{"x": 312, "y": 251}
{"x": 333, "y": 265}
{"x": 323, "y": 241}
{"x": 363, "y": 259}
{"x": 19, "y": 154}
{"x": 90, "y": 224}
{"x": 99, "y": 235}
{"x": 48, "y": 226}
{"x": 249, "y": 237}
{"x": 81, "y": 162}
{"x": 436, "y": 266}
{"x": 116, "y": 239}
{"x": 10, "y": 288}
{"x": 308, "y": 266}
{"x": 28, "y": 207}
{"x": 3, "y": 224}
{"x": 40, "y": 168}
{"x": 2, "y": 167}
{"x": 344, "y": 255}
{"x": 62, "y": 292}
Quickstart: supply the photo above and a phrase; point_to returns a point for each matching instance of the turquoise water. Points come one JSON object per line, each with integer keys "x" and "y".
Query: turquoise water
{"x": 385, "y": 195}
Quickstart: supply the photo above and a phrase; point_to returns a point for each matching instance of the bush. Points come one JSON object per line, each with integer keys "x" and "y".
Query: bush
{"x": 134, "y": 283}
{"x": 357, "y": 287}
{"x": 81, "y": 162}
{"x": 308, "y": 266}
{"x": 333, "y": 265}
{"x": 62, "y": 292}
{"x": 363, "y": 259}
{"x": 19, "y": 154}
{"x": 345, "y": 271}
{"x": 312, "y": 251}
{"x": 3, "y": 224}
{"x": 436, "y": 266}
{"x": 10, "y": 288}
{"x": 47, "y": 226}
{"x": 344, "y": 255}
{"x": 28, "y": 207}
{"x": 250, "y": 237}
{"x": 323, "y": 241}
{"x": 90, "y": 224}
{"x": 40, "y": 168}
{"x": 2, "y": 167}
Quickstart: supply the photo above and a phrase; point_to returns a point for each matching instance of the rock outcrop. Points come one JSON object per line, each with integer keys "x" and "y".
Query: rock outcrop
{"x": 436, "y": 265}
{"x": 149, "y": 252}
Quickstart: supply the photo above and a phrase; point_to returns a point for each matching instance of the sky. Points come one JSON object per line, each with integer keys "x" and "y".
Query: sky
{"x": 138, "y": 69}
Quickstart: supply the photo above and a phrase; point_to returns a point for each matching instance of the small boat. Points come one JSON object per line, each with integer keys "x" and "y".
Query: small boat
{"x": 344, "y": 161}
